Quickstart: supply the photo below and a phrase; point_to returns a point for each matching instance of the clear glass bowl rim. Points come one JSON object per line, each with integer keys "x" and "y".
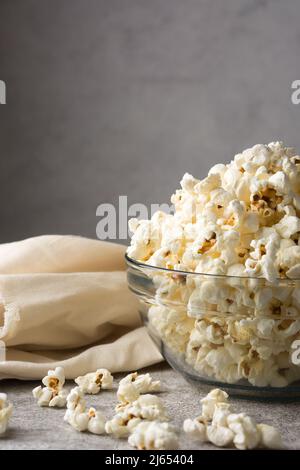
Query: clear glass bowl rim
{"x": 138, "y": 264}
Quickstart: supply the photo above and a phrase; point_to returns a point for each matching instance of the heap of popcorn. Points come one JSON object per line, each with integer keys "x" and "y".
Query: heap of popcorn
{"x": 240, "y": 224}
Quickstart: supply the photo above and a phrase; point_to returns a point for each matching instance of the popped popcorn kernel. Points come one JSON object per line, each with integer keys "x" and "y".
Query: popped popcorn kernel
{"x": 52, "y": 395}
{"x": 220, "y": 426}
{"x": 154, "y": 435}
{"x": 6, "y": 409}
{"x": 146, "y": 407}
{"x": 93, "y": 382}
{"x": 134, "y": 384}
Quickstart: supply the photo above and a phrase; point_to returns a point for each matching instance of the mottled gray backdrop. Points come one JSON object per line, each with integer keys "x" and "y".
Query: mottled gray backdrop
{"x": 123, "y": 96}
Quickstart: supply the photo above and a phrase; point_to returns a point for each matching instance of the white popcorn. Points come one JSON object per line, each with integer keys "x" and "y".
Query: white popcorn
{"x": 293, "y": 272}
{"x": 280, "y": 182}
{"x": 211, "y": 400}
{"x": 188, "y": 182}
{"x": 127, "y": 393}
{"x": 77, "y": 419}
{"x": 154, "y": 436}
{"x": 52, "y": 394}
{"x": 173, "y": 325}
{"x": 59, "y": 400}
{"x": 80, "y": 419}
{"x": 246, "y": 433}
{"x": 42, "y": 395}
{"x": 93, "y": 382}
{"x": 120, "y": 427}
{"x": 288, "y": 226}
{"x": 134, "y": 384}
{"x": 55, "y": 379}
{"x": 75, "y": 400}
{"x": 223, "y": 428}
{"x": 218, "y": 169}
{"x": 270, "y": 437}
{"x": 220, "y": 436}
{"x": 96, "y": 424}
{"x": 146, "y": 407}
{"x": 240, "y": 223}
{"x": 6, "y": 409}
{"x": 196, "y": 428}
{"x": 221, "y": 413}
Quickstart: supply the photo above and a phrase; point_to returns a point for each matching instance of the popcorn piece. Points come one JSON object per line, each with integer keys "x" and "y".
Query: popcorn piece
{"x": 211, "y": 400}
{"x": 6, "y": 409}
{"x": 96, "y": 424}
{"x": 77, "y": 419}
{"x": 42, "y": 395}
{"x": 173, "y": 325}
{"x": 218, "y": 432}
{"x": 270, "y": 437}
{"x": 52, "y": 394}
{"x": 120, "y": 427}
{"x": 220, "y": 436}
{"x": 80, "y": 419}
{"x": 288, "y": 226}
{"x": 223, "y": 428}
{"x": 246, "y": 433}
{"x": 196, "y": 428}
{"x": 154, "y": 436}
{"x": 142, "y": 382}
{"x": 59, "y": 400}
{"x": 75, "y": 400}
{"x": 146, "y": 407}
{"x": 55, "y": 379}
{"x": 93, "y": 382}
{"x": 127, "y": 393}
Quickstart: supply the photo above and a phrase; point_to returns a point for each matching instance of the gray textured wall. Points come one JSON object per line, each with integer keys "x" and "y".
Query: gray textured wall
{"x": 123, "y": 96}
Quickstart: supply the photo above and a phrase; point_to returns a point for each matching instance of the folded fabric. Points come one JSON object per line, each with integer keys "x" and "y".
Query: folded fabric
{"x": 64, "y": 301}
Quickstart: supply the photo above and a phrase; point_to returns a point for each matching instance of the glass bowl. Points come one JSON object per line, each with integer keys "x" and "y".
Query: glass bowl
{"x": 241, "y": 334}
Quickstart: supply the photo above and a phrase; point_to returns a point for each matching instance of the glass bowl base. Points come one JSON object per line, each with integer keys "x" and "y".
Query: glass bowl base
{"x": 240, "y": 389}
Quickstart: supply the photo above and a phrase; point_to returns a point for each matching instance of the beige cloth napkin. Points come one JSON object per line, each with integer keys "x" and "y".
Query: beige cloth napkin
{"x": 65, "y": 301}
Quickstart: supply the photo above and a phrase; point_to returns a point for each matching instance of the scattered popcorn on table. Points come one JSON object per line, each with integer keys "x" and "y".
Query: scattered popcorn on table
{"x": 134, "y": 384}
{"x": 76, "y": 400}
{"x": 196, "y": 428}
{"x": 55, "y": 379}
{"x": 52, "y": 394}
{"x": 154, "y": 435}
{"x": 77, "y": 419}
{"x": 142, "y": 382}
{"x": 146, "y": 407}
{"x": 241, "y": 223}
{"x": 246, "y": 434}
{"x": 91, "y": 420}
{"x": 6, "y": 409}
{"x": 223, "y": 428}
{"x": 127, "y": 393}
{"x": 270, "y": 437}
{"x": 120, "y": 426}
{"x": 93, "y": 382}
{"x": 80, "y": 419}
{"x": 42, "y": 395}
{"x": 96, "y": 424}
{"x": 211, "y": 400}
{"x": 47, "y": 397}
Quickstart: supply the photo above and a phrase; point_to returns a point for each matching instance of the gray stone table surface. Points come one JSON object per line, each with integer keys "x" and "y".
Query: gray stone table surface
{"x": 32, "y": 427}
